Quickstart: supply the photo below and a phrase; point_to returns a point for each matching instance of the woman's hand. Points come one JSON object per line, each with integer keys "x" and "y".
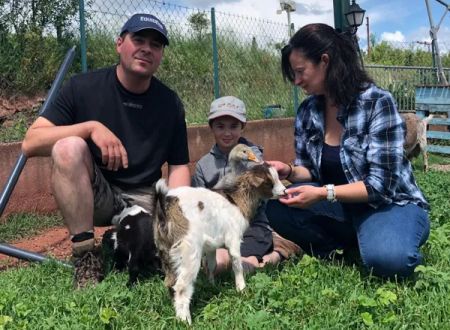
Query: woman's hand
{"x": 114, "y": 154}
{"x": 284, "y": 170}
{"x": 303, "y": 196}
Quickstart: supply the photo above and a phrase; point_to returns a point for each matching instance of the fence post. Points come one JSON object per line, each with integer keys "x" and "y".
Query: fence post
{"x": 295, "y": 96}
{"x": 82, "y": 37}
{"x": 294, "y": 88}
{"x": 215, "y": 54}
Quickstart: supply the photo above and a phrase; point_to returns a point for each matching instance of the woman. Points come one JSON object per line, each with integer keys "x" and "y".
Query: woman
{"x": 352, "y": 184}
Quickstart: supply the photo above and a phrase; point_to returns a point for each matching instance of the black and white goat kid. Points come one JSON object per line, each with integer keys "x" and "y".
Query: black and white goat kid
{"x": 192, "y": 222}
{"x": 132, "y": 243}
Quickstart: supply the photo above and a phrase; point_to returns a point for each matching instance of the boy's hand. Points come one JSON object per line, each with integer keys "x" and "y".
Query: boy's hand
{"x": 283, "y": 169}
{"x": 114, "y": 154}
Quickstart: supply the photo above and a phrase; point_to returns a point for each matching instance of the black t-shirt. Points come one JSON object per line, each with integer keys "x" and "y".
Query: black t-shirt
{"x": 151, "y": 125}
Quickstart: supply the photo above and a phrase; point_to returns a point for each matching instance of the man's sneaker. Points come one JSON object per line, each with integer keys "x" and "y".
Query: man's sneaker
{"x": 79, "y": 249}
{"x": 88, "y": 269}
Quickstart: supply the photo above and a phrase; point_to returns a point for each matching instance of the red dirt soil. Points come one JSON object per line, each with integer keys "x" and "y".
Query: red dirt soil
{"x": 54, "y": 243}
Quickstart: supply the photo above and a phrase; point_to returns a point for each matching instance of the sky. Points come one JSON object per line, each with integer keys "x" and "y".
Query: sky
{"x": 397, "y": 21}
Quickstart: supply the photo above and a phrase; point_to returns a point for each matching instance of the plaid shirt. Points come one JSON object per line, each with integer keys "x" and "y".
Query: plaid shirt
{"x": 371, "y": 146}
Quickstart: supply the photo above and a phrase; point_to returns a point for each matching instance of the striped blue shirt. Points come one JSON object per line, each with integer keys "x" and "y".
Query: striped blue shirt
{"x": 371, "y": 146}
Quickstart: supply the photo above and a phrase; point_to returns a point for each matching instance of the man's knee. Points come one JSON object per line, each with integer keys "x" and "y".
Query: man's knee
{"x": 391, "y": 261}
{"x": 70, "y": 152}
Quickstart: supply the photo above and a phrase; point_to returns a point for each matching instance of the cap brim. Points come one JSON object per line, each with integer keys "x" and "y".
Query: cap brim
{"x": 224, "y": 113}
{"x": 164, "y": 38}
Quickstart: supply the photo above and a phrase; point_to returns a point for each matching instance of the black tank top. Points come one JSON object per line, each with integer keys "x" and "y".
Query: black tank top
{"x": 331, "y": 167}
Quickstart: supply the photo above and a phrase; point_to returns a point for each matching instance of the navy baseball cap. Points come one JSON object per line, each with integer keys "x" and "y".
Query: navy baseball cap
{"x": 139, "y": 22}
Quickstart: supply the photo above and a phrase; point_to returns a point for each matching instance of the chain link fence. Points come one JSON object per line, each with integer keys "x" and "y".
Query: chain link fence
{"x": 211, "y": 54}
{"x": 243, "y": 61}
{"x": 249, "y": 63}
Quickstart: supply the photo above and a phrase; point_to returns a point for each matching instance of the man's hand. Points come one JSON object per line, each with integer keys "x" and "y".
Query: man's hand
{"x": 114, "y": 154}
{"x": 303, "y": 196}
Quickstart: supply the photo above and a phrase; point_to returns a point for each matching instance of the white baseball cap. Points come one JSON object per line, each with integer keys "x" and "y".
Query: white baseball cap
{"x": 227, "y": 106}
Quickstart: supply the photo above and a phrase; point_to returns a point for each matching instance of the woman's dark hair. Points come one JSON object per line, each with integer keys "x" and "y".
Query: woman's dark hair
{"x": 344, "y": 77}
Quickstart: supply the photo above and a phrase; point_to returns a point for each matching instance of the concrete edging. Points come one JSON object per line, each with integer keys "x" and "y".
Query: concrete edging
{"x": 33, "y": 193}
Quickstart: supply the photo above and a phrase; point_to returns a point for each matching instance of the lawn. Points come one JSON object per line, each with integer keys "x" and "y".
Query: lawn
{"x": 300, "y": 294}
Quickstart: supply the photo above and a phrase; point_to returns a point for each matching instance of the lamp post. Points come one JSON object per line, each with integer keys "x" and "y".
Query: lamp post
{"x": 289, "y": 7}
{"x": 355, "y": 18}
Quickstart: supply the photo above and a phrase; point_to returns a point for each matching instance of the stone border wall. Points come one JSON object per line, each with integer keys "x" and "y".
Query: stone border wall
{"x": 33, "y": 194}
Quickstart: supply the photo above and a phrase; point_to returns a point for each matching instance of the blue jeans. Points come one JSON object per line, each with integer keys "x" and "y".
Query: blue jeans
{"x": 388, "y": 237}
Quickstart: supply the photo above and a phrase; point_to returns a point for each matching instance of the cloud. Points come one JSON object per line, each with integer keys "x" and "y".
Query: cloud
{"x": 396, "y": 36}
{"x": 319, "y": 11}
{"x": 207, "y": 3}
{"x": 315, "y": 9}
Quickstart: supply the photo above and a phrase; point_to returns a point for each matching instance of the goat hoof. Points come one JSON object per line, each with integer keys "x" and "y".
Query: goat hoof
{"x": 185, "y": 318}
{"x": 240, "y": 287}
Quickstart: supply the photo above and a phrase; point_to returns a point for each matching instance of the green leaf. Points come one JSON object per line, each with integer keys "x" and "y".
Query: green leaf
{"x": 367, "y": 301}
{"x": 386, "y": 297}
{"x": 331, "y": 293}
{"x": 107, "y": 314}
{"x": 21, "y": 309}
{"x": 367, "y": 318}
{"x": 4, "y": 319}
{"x": 389, "y": 318}
{"x": 420, "y": 269}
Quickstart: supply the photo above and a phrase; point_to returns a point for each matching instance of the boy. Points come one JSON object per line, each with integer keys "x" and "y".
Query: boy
{"x": 227, "y": 118}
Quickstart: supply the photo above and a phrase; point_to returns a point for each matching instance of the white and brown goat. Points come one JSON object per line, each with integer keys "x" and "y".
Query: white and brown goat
{"x": 193, "y": 222}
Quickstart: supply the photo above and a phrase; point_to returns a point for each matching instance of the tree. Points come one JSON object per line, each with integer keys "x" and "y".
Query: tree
{"x": 385, "y": 54}
{"x": 38, "y": 15}
{"x": 199, "y": 23}
{"x": 373, "y": 40}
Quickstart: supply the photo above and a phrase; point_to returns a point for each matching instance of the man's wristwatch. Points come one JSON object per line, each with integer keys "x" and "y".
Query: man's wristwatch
{"x": 331, "y": 194}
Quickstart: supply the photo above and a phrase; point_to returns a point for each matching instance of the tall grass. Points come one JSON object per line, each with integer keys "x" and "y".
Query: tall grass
{"x": 29, "y": 63}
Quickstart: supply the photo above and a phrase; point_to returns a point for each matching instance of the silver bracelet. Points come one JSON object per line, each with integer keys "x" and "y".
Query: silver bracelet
{"x": 331, "y": 193}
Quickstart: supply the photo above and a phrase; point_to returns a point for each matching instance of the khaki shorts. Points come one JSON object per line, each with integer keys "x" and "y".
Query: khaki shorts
{"x": 110, "y": 200}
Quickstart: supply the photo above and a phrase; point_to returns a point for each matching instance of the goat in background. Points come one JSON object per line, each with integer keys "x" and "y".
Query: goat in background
{"x": 416, "y": 137}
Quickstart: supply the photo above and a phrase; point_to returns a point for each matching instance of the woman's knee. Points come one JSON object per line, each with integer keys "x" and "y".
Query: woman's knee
{"x": 71, "y": 152}
{"x": 391, "y": 261}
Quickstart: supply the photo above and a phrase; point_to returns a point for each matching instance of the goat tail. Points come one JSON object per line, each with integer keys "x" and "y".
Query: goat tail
{"x": 161, "y": 187}
{"x": 161, "y": 190}
{"x": 427, "y": 119}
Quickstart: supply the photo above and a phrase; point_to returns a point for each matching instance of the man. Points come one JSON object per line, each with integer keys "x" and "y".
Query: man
{"x": 109, "y": 132}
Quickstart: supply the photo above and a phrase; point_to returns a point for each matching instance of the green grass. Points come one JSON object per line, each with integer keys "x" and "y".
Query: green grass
{"x": 17, "y": 226}
{"x": 306, "y": 294}
{"x": 16, "y": 131}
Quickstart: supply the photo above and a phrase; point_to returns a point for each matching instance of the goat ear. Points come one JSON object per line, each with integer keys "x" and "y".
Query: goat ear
{"x": 257, "y": 181}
